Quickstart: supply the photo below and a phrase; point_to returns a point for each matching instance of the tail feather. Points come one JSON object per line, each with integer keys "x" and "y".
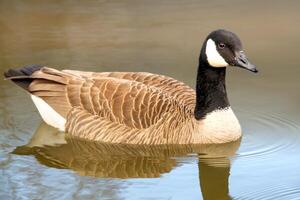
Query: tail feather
{"x": 48, "y": 89}
{"x": 21, "y": 76}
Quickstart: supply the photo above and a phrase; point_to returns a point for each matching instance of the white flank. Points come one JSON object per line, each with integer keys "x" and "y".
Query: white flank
{"x": 49, "y": 115}
{"x": 213, "y": 56}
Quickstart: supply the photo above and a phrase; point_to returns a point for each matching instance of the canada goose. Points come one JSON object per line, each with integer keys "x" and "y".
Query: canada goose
{"x": 140, "y": 107}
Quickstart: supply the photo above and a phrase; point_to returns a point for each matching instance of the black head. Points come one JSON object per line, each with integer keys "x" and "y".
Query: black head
{"x": 223, "y": 48}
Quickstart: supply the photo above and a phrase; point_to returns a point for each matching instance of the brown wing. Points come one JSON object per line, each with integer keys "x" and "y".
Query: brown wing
{"x": 124, "y": 101}
{"x": 173, "y": 87}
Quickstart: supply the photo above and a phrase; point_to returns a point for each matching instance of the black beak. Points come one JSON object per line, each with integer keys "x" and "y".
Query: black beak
{"x": 242, "y": 61}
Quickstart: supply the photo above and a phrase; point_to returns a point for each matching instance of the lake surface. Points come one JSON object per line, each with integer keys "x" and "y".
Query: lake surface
{"x": 162, "y": 37}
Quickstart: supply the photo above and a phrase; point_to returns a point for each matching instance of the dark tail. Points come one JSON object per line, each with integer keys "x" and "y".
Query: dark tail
{"x": 21, "y": 76}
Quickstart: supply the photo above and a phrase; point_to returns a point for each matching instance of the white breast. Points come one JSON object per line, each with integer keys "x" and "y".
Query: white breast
{"x": 219, "y": 126}
{"x": 49, "y": 115}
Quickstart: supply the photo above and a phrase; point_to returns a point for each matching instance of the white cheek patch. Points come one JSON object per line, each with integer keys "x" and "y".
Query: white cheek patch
{"x": 213, "y": 57}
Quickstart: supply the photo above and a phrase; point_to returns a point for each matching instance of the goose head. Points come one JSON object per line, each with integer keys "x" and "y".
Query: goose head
{"x": 223, "y": 48}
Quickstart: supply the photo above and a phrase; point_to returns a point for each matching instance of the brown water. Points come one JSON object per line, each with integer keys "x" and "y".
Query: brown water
{"x": 161, "y": 37}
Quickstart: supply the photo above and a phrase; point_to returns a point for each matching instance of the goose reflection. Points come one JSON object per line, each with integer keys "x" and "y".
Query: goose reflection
{"x": 53, "y": 149}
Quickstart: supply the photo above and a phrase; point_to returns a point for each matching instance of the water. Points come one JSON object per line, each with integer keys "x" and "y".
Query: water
{"x": 160, "y": 37}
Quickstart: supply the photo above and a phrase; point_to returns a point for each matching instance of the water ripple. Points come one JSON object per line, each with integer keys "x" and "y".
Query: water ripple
{"x": 268, "y": 133}
{"x": 273, "y": 192}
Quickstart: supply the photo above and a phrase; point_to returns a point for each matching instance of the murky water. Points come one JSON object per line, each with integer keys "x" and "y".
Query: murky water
{"x": 160, "y": 37}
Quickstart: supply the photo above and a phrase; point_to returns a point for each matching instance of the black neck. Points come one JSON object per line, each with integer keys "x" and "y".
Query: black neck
{"x": 210, "y": 89}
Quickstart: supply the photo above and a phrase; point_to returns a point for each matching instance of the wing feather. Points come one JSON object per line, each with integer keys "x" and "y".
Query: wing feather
{"x": 175, "y": 88}
{"x": 130, "y": 103}
{"x": 137, "y": 100}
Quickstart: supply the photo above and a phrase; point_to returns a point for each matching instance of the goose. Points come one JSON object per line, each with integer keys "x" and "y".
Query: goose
{"x": 141, "y": 107}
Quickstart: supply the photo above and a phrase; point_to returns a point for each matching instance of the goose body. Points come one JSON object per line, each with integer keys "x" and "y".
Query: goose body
{"x": 137, "y": 107}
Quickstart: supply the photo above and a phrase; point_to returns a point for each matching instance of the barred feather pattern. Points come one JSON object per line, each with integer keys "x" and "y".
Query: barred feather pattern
{"x": 119, "y": 107}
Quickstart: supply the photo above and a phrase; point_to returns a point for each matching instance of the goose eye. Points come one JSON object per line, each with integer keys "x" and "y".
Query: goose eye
{"x": 221, "y": 45}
